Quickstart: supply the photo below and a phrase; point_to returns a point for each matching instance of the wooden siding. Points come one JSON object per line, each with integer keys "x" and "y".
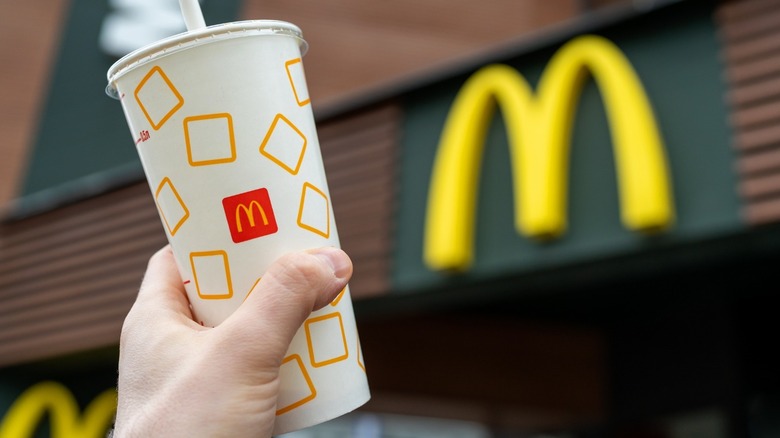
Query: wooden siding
{"x": 69, "y": 276}
{"x": 360, "y": 156}
{"x": 751, "y": 53}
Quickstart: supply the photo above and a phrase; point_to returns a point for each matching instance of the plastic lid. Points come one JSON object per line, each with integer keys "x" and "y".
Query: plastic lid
{"x": 194, "y": 38}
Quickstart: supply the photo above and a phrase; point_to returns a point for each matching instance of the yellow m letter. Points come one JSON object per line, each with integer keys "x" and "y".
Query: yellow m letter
{"x": 23, "y": 416}
{"x": 539, "y": 129}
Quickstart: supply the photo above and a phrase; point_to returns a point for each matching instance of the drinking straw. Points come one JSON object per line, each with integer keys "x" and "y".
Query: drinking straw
{"x": 193, "y": 16}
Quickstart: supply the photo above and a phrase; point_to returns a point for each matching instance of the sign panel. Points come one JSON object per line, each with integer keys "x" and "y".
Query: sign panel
{"x": 538, "y": 133}
{"x": 599, "y": 165}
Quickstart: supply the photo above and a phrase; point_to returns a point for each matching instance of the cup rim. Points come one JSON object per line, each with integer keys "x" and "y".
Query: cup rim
{"x": 189, "y": 39}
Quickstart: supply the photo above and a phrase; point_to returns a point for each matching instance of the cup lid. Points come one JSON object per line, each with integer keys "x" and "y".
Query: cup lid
{"x": 185, "y": 40}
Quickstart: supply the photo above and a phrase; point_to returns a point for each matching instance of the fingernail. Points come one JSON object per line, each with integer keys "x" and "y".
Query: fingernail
{"x": 337, "y": 259}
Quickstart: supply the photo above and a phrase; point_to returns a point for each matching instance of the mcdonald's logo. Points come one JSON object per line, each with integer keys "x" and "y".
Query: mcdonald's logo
{"x": 539, "y": 128}
{"x": 249, "y": 215}
{"x": 23, "y": 417}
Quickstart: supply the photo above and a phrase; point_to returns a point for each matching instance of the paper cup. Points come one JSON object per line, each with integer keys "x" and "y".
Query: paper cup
{"x": 222, "y": 121}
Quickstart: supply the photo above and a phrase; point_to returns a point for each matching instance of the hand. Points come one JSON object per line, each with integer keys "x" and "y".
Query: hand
{"x": 180, "y": 379}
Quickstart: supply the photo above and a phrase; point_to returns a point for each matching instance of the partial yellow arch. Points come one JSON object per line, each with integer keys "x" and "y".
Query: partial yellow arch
{"x": 24, "y": 415}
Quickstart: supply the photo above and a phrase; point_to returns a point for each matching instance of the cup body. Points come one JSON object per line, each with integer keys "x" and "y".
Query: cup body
{"x": 223, "y": 124}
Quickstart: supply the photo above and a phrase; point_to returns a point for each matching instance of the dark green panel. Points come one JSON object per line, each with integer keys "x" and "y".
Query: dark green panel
{"x": 675, "y": 52}
{"x": 82, "y": 131}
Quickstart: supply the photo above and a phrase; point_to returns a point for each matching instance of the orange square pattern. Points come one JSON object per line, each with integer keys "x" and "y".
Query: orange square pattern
{"x": 297, "y": 79}
{"x": 202, "y": 137}
{"x": 292, "y": 369}
{"x": 338, "y": 298}
{"x": 172, "y": 208}
{"x": 314, "y": 211}
{"x": 279, "y": 142}
{"x": 212, "y": 274}
{"x": 320, "y": 329}
{"x": 158, "y": 97}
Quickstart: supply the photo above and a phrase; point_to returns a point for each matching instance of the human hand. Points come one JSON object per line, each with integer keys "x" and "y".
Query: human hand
{"x": 180, "y": 379}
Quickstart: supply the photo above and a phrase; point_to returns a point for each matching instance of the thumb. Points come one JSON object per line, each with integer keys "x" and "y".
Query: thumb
{"x": 292, "y": 287}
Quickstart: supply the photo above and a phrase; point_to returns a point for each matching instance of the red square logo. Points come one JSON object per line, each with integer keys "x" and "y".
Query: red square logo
{"x": 249, "y": 215}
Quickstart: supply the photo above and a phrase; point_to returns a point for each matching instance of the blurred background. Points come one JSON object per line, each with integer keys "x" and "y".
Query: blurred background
{"x": 602, "y": 331}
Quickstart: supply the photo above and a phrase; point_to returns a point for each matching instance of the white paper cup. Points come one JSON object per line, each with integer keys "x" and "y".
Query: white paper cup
{"x": 223, "y": 125}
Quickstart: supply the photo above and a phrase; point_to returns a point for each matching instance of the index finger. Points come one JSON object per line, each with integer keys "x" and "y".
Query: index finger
{"x": 162, "y": 288}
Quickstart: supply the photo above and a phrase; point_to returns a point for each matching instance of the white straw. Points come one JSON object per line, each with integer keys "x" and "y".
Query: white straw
{"x": 193, "y": 16}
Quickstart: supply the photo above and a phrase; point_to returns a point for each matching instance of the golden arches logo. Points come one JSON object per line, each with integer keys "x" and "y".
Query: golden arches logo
{"x": 539, "y": 129}
{"x": 249, "y": 202}
{"x": 25, "y": 414}
{"x": 250, "y": 215}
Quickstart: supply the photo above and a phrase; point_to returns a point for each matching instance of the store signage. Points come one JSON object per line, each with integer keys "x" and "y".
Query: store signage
{"x": 539, "y": 129}
{"x": 25, "y": 414}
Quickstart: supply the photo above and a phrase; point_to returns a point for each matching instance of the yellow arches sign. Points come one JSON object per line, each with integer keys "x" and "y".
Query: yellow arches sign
{"x": 539, "y": 129}
{"x": 67, "y": 421}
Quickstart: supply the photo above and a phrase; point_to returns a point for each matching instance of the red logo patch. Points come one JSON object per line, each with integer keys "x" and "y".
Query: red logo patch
{"x": 249, "y": 215}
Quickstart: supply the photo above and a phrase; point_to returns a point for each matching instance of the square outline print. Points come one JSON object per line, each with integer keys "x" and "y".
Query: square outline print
{"x": 360, "y": 356}
{"x": 310, "y": 343}
{"x": 179, "y": 98}
{"x": 215, "y": 253}
{"x": 338, "y": 298}
{"x": 313, "y": 390}
{"x": 306, "y": 187}
{"x": 164, "y": 182}
{"x": 228, "y": 159}
{"x": 292, "y": 82}
{"x": 272, "y": 157}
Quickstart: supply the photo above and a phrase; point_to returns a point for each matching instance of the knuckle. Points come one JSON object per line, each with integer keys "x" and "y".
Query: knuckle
{"x": 302, "y": 268}
{"x": 158, "y": 255}
{"x": 303, "y": 276}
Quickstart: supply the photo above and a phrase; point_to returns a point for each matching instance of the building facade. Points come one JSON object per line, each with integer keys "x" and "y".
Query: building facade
{"x": 568, "y": 227}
